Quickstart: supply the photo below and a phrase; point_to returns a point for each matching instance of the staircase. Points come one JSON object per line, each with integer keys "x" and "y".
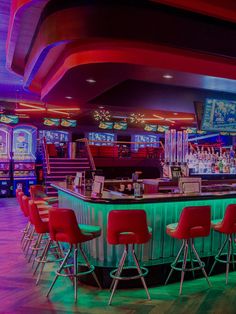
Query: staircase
{"x": 60, "y": 168}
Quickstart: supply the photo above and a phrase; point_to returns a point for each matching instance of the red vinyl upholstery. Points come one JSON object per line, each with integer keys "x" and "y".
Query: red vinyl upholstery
{"x": 64, "y": 227}
{"x": 35, "y": 219}
{"x": 228, "y": 224}
{"x": 195, "y": 221}
{"x": 127, "y": 227}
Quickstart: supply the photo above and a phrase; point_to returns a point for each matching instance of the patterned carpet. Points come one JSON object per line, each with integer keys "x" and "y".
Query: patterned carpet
{"x": 18, "y": 293}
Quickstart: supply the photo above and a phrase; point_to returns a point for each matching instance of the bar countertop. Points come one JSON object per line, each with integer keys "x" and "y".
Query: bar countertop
{"x": 113, "y": 197}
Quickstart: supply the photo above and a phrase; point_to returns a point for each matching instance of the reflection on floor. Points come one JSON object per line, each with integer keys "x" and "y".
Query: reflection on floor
{"x": 18, "y": 293}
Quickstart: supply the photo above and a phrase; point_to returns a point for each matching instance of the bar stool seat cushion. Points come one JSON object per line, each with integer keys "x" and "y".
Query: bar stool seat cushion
{"x": 88, "y": 230}
{"x": 228, "y": 224}
{"x": 216, "y": 224}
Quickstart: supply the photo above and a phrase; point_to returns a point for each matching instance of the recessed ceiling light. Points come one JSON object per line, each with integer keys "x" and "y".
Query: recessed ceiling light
{"x": 167, "y": 76}
{"x": 175, "y": 113}
{"x": 68, "y": 97}
{"x": 90, "y": 80}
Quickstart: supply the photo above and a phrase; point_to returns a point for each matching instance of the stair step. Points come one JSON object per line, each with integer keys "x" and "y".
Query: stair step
{"x": 68, "y": 159}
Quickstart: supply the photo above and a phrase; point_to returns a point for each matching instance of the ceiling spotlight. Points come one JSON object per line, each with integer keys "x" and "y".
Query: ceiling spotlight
{"x": 68, "y": 97}
{"x": 101, "y": 107}
{"x": 175, "y": 113}
{"x": 167, "y": 76}
{"x": 90, "y": 80}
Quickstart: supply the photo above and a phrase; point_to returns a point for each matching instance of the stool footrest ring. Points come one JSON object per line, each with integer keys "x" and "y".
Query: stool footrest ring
{"x": 218, "y": 259}
{"x": 143, "y": 274}
{"x": 82, "y": 273}
{"x": 173, "y": 265}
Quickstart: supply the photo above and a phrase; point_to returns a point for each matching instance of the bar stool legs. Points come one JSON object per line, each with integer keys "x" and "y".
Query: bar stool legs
{"x": 76, "y": 273}
{"x": 116, "y": 274}
{"x": 187, "y": 246}
{"x": 230, "y": 254}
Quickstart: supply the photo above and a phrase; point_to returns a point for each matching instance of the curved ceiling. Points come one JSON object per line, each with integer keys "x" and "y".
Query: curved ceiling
{"x": 56, "y": 47}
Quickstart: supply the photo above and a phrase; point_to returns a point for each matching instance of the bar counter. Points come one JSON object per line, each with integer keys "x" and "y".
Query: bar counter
{"x": 161, "y": 209}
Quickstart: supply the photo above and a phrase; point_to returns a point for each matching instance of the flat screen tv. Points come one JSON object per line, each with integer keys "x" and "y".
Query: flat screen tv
{"x": 162, "y": 128}
{"x": 9, "y": 119}
{"x": 105, "y": 125}
{"x": 68, "y": 123}
{"x": 150, "y": 127}
{"x": 51, "y": 122}
{"x": 219, "y": 115}
{"x": 120, "y": 126}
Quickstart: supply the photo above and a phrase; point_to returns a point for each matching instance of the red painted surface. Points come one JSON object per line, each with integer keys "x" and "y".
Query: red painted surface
{"x": 225, "y": 10}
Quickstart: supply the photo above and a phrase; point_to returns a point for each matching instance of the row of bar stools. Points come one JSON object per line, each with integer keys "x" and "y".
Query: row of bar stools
{"x": 196, "y": 222}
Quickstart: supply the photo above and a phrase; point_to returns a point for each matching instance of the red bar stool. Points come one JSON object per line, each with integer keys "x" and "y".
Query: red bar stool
{"x": 37, "y": 192}
{"x": 127, "y": 227}
{"x": 195, "y": 222}
{"x": 64, "y": 227}
{"x": 226, "y": 226}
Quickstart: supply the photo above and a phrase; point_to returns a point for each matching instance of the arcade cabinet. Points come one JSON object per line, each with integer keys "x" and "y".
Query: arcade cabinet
{"x": 24, "y": 145}
{"x": 5, "y": 160}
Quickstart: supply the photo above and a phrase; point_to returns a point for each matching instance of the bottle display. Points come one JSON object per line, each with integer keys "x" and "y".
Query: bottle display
{"x": 211, "y": 160}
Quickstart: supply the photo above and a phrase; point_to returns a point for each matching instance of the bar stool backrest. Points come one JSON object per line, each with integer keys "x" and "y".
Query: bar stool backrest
{"x": 37, "y": 191}
{"x": 64, "y": 227}
{"x": 35, "y": 219}
{"x": 19, "y": 197}
{"x": 195, "y": 221}
{"x": 25, "y": 205}
{"x": 228, "y": 224}
{"x": 127, "y": 221}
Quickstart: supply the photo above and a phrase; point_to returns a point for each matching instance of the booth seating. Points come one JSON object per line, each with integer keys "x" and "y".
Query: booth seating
{"x": 104, "y": 151}
{"x": 195, "y": 222}
{"x": 52, "y": 151}
{"x": 64, "y": 228}
{"x": 127, "y": 227}
{"x": 226, "y": 226}
{"x": 141, "y": 153}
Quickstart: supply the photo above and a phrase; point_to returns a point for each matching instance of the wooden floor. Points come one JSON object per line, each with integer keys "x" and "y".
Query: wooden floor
{"x": 18, "y": 293}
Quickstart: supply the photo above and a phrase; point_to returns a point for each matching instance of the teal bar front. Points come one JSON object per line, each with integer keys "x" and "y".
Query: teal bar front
{"x": 162, "y": 248}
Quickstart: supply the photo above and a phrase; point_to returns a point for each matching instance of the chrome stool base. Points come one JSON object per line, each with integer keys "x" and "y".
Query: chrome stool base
{"x": 116, "y": 274}
{"x": 187, "y": 247}
{"x": 75, "y": 265}
{"x": 230, "y": 254}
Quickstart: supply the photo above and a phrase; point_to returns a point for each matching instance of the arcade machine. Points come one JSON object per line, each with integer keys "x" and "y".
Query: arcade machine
{"x": 24, "y": 149}
{"x": 5, "y": 160}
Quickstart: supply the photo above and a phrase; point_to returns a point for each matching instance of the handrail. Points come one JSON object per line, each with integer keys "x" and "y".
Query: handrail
{"x": 46, "y": 155}
{"x": 118, "y": 142}
{"x": 90, "y": 156}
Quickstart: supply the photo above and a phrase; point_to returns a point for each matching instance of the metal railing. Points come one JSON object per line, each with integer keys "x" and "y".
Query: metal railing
{"x": 88, "y": 151}
{"x": 46, "y": 155}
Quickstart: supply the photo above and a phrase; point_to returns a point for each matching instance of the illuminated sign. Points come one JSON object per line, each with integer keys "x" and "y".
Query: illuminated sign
{"x": 150, "y": 127}
{"x": 105, "y": 125}
{"x": 9, "y": 119}
{"x": 51, "y": 122}
{"x": 120, "y": 125}
{"x": 68, "y": 123}
{"x": 162, "y": 128}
